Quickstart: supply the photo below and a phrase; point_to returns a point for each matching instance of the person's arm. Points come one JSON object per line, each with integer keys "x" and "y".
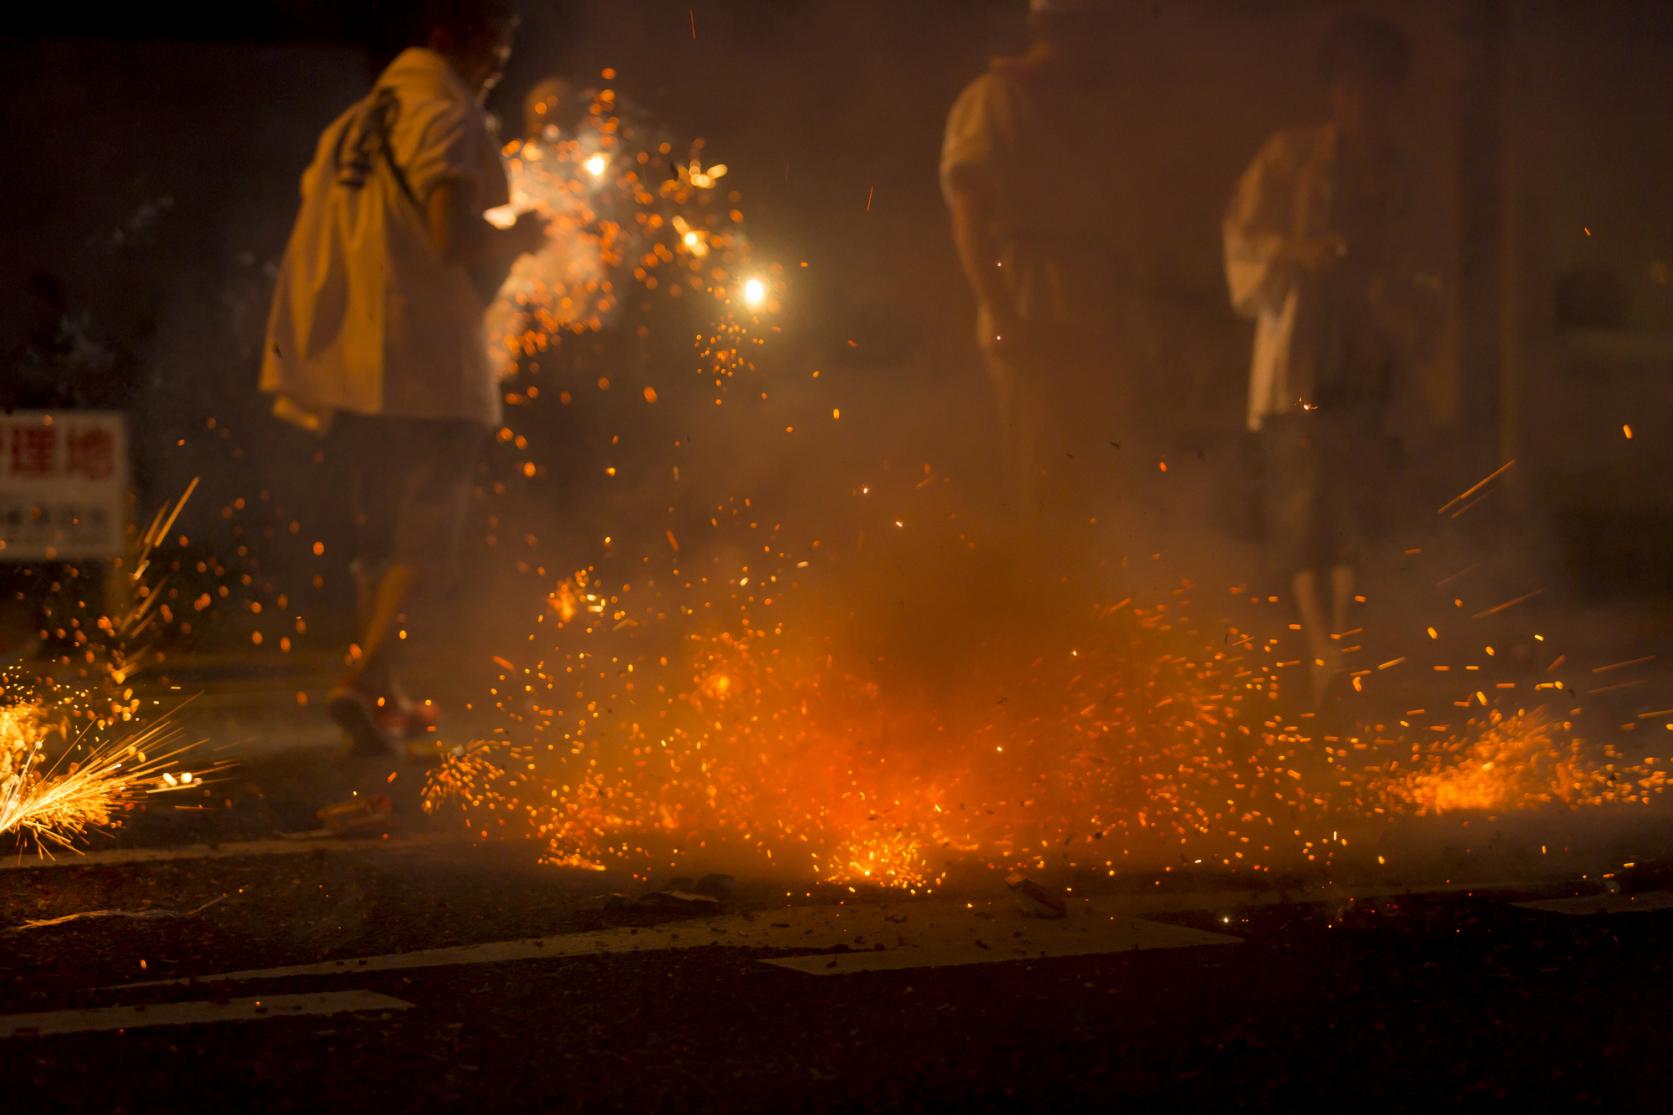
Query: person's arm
{"x": 970, "y": 204}
{"x": 461, "y": 236}
{"x": 1263, "y": 257}
{"x": 979, "y": 140}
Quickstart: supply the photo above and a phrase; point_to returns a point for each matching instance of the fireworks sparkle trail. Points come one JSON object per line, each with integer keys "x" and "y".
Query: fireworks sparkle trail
{"x": 59, "y": 803}
{"x": 99, "y": 773}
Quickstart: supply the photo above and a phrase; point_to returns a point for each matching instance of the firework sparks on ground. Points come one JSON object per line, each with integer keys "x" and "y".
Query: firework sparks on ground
{"x": 723, "y": 705}
{"x": 57, "y": 803}
{"x": 1152, "y": 739}
{"x": 60, "y": 784}
{"x": 737, "y": 689}
{"x": 722, "y": 684}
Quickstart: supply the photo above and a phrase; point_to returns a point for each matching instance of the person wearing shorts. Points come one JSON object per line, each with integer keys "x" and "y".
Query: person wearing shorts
{"x": 1324, "y": 248}
{"x": 376, "y": 336}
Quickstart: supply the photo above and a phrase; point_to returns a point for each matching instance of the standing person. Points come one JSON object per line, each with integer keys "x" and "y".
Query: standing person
{"x": 1323, "y": 250}
{"x": 376, "y": 328}
{"x": 1032, "y": 224}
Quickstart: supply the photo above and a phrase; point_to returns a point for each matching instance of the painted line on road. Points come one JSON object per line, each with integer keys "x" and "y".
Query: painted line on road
{"x": 263, "y": 1009}
{"x": 289, "y": 846}
{"x": 966, "y": 944}
{"x": 659, "y": 938}
{"x": 1588, "y": 905}
{"x": 922, "y": 931}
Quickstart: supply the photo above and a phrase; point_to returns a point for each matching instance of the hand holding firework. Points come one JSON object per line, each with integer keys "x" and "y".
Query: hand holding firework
{"x": 527, "y": 233}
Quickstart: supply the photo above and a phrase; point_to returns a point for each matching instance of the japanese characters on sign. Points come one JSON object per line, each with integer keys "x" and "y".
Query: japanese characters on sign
{"x": 63, "y": 485}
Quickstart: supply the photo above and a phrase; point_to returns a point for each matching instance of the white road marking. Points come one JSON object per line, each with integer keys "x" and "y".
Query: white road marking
{"x": 1590, "y": 904}
{"x": 973, "y": 943}
{"x": 265, "y": 1008}
{"x": 924, "y": 930}
{"x": 236, "y": 850}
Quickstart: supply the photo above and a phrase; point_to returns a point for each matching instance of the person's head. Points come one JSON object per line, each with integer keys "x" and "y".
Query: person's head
{"x": 1365, "y": 64}
{"x": 552, "y": 102}
{"x": 1078, "y": 33}
{"x": 473, "y": 35}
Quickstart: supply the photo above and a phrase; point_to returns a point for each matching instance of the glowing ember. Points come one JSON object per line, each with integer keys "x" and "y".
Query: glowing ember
{"x": 878, "y": 693}
{"x": 1521, "y": 761}
{"x": 617, "y": 218}
{"x": 86, "y": 789}
{"x": 882, "y": 690}
{"x": 59, "y": 785}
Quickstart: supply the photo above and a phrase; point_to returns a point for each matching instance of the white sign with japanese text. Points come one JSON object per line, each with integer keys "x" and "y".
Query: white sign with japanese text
{"x": 63, "y": 485}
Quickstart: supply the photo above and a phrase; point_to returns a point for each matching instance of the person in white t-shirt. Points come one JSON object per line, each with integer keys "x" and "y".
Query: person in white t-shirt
{"x": 376, "y": 331}
{"x": 1031, "y": 219}
{"x": 1329, "y": 247}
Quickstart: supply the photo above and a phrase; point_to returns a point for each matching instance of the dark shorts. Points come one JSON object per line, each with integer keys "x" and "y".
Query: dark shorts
{"x": 1320, "y": 479}
{"x": 409, "y": 480}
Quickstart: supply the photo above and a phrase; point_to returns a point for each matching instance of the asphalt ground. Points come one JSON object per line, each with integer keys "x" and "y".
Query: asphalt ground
{"x": 218, "y": 952}
{"x": 1209, "y": 995}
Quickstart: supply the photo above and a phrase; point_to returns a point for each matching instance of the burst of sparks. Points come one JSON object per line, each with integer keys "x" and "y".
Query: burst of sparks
{"x": 96, "y": 776}
{"x": 675, "y": 703}
{"x": 691, "y": 692}
{"x": 58, "y": 803}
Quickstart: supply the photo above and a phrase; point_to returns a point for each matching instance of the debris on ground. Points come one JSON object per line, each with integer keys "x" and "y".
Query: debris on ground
{"x": 134, "y": 915}
{"x": 367, "y": 816}
{"x": 667, "y": 902}
{"x": 716, "y": 886}
{"x": 1035, "y": 900}
{"x": 604, "y": 903}
{"x": 679, "y": 902}
{"x": 1640, "y": 876}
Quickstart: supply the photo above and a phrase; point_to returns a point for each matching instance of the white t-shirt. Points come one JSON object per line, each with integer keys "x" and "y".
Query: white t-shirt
{"x": 367, "y": 317}
{"x": 1291, "y": 192}
{"x": 1053, "y": 184}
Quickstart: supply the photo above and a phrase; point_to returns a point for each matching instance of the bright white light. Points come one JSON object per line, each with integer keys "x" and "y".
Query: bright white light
{"x": 755, "y": 292}
{"x": 595, "y": 165}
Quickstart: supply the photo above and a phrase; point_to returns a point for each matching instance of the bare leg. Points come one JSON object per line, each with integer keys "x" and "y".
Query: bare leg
{"x": 351, "y": 703}
{"x": 1309, "y": 606}
{"x": 388, "y": 597}
{"x": 1318, "y": 627}
{"x": 378, "y": 671}
{"x": 1341, "y": 596}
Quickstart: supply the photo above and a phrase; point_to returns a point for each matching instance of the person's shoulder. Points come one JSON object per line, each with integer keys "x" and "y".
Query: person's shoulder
{"x": 998, "y": 86}
{"x": 423, "y": 82}
{"x": 414, "y": 68}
